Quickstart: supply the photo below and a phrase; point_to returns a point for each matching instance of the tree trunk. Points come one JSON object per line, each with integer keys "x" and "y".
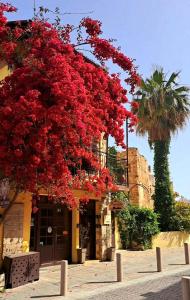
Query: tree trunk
{"x": 9, "y": 206}
{"x": 164, "y": 199}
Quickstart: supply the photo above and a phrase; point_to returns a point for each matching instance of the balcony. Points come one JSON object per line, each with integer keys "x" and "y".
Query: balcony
{"x": 118, "y": 169}
{"x": 109, "y": 159}
{"x": 117, "y": 166}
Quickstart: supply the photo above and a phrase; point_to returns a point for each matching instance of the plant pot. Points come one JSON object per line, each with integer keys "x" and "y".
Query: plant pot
{"x": 111, "y": 253}
{"x": 81, "y": 254}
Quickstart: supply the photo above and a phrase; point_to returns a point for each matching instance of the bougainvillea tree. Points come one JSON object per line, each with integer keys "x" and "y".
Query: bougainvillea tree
{"x": 56, "y": 103}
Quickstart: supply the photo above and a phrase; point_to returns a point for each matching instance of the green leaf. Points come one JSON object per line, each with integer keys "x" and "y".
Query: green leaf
{"x": 172, "y": 79}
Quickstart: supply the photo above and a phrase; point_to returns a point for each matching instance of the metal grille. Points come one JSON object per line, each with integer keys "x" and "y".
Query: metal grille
{"x": 118, "y": 166}
{"x": 20, "y": 269}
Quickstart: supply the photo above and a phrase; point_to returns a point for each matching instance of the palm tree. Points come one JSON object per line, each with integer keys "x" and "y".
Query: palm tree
{"x": 163, "y": 110}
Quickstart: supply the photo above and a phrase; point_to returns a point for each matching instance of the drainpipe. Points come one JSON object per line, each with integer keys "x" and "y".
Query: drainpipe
{"x": 127, "y": 158}
{"x": 127, "y": 151}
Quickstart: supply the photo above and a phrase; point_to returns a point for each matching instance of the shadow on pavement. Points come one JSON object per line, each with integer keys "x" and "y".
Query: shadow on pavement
{"x": 176, "y": 264}
{"x": 173, "y": 292}
{"x": 91, "y": 282}
{"x": 45, "y": 296}
{"x": 144, "y": 272}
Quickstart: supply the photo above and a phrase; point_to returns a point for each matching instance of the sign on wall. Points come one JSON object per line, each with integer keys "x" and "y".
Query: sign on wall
{"x": 107, "y": 219}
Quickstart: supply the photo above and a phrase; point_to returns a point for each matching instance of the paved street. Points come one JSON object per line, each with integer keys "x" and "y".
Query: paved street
{"x": 165, "y": 288}
{"x": 141, "y": 281}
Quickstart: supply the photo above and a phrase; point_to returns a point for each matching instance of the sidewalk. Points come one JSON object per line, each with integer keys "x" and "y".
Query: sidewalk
{"x": 97, "y": 277}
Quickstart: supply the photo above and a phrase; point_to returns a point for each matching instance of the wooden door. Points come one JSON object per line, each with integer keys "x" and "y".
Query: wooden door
{"x": 46, "y": 234}
{"x": 51, "y": 232}
{"x": 62, "y": 233}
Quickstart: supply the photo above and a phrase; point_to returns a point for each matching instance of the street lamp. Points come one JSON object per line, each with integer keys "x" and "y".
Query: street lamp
{"x": 127, "y": 151}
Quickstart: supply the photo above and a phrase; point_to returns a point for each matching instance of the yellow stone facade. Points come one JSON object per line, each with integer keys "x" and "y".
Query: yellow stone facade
{"x": 103, "y": 231}
{"x": 4, "y": 70}
{"x": 141, "y": 180}
{"x": 171, "y": 239}
{"x": 15, "y": 229}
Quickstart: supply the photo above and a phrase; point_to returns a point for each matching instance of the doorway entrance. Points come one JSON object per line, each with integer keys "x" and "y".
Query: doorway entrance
{"x": 51, "y": 232}
{"x": 87, "y": 228}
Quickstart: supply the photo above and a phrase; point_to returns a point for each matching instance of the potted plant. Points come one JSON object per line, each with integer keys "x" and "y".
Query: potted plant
{"x": 83, "y": 237}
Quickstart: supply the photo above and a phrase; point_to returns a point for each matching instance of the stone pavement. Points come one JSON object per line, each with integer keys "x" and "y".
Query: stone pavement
{"x": 94, "y": 278}
{"x": 161, "y": 288}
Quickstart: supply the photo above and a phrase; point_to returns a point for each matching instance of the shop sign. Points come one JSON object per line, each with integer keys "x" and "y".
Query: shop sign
{"x": 107, "y": 219}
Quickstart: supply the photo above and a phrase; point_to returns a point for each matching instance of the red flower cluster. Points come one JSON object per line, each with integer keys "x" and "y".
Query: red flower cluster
{"x": 55, "y": 105}
{"x": 103, "y": 51}
{"x": 135, "y": 104}
{"x": 93, "y": 27}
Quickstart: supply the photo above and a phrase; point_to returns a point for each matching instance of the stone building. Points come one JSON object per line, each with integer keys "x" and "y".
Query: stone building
{"x": 141, "y": 180}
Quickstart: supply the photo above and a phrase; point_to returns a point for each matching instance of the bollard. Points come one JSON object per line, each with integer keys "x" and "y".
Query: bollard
{"x": 186, "y": 250}
{"x": 119, "y": 267}
{"x": 64, "y": 275}
{"x": 185, "y": 288}
{"x": 158, "y": 259}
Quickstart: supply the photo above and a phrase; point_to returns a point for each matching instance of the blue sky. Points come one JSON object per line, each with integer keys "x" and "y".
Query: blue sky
{"x": 155, "y": 33}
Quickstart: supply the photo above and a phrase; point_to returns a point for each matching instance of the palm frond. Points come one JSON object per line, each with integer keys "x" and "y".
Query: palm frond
{"x": 164, "y": 107}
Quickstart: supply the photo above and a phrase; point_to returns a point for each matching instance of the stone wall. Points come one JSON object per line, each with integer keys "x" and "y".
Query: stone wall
{"x": 118, "y": 244}
{"x": 170, "y": 239}
{"x": 13, "y": 230}
{"x": 103, "y": 229}
{"x": 141, "y": 180}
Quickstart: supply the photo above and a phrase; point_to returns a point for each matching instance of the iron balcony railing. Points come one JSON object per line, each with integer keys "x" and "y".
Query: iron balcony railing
{"x": 117, "y": 166}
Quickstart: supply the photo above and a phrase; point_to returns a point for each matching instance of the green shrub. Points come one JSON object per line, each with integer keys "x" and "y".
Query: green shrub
{"x": 120, "y": 196}
{"x": 137, "y": 226}
{"x": 182, "y": 215}
{"x": 180, "y": 220}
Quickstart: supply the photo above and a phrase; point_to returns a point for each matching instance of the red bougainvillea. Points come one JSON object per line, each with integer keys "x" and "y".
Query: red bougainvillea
{"x": 56, "y": 104}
